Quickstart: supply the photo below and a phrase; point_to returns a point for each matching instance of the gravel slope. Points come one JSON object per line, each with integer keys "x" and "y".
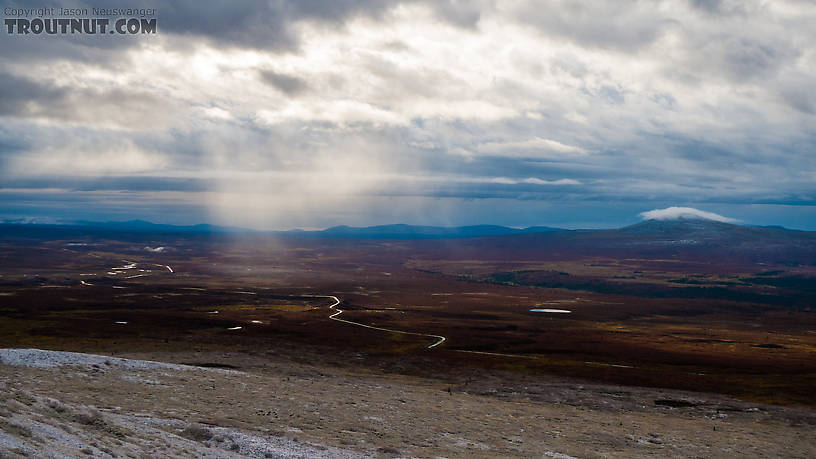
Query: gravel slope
{"x": 55, "y": 404}
{"x": 39, "y": 426}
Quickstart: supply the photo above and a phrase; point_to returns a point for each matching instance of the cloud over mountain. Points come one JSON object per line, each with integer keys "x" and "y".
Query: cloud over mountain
{"x": 684, "y": 213}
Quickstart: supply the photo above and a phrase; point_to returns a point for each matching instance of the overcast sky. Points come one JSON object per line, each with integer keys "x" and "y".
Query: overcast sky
{"x": 313, "y": 113}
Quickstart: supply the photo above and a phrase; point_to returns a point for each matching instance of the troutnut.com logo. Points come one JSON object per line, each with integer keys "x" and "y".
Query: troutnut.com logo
{"x": 61, "y": 21}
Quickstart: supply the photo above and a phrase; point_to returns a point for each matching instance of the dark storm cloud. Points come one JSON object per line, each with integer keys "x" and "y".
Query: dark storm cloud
{"x": 21, "y": 96}
{"x": 711, "y": 6}
{"x": 723, "y": 7}
{"x": 258, "y": 24}
{"x": 797, "y": 91}
{"x": 463, "y": 13}
{"x": 627, "y": 25}
{"x": 107, "y": 50}
{"x": 125, "y": 107}
{"x": 267, "y": 25}
{"x": 747, "y": 59}
{"x": 288, "y": 84}
{"x": 244, "y": 23}
{"x": 250, "y": 23}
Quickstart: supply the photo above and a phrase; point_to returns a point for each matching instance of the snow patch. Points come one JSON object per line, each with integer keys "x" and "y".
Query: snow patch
{"x": 38, "y": 358}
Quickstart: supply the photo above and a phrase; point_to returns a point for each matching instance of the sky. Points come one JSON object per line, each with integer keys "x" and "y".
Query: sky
{"x": 314, "y": 113}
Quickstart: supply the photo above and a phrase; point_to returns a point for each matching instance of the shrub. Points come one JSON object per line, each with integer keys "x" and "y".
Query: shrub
{"x": 196, "y": 433}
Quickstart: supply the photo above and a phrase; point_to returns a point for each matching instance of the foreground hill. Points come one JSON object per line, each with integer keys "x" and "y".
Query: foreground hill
{"x": 275, "y": 405}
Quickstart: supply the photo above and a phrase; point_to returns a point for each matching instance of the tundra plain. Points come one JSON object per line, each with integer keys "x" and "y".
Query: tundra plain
{"x": 694, "y": 344}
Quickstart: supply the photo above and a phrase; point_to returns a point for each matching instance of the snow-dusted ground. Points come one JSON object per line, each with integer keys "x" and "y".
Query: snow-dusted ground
{"x": 76, "y": 431}
{"x": 64, "y": 404}
{"x": 33, "y": 425}
{"x": 37, "y": 358}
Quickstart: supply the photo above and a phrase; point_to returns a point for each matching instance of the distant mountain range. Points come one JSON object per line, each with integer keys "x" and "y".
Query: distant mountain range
{"x": 686, "y": 230}
{"x": 424, "y": 232}
{"x": 700, "y": 227}
{"x": 145, "y": 226}
{"x": 398, "y": 231}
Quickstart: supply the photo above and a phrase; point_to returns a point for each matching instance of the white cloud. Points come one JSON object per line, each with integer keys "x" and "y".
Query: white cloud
{"x": 536, "y": 147}
{"x": 684, "y": 213}
{"x": 475, "y": 110}
{"x": 217, "y": 113}
{"x": 340, "y": 112}
{"x": 534, "y": 181}
{"x": 538, "y": 181}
